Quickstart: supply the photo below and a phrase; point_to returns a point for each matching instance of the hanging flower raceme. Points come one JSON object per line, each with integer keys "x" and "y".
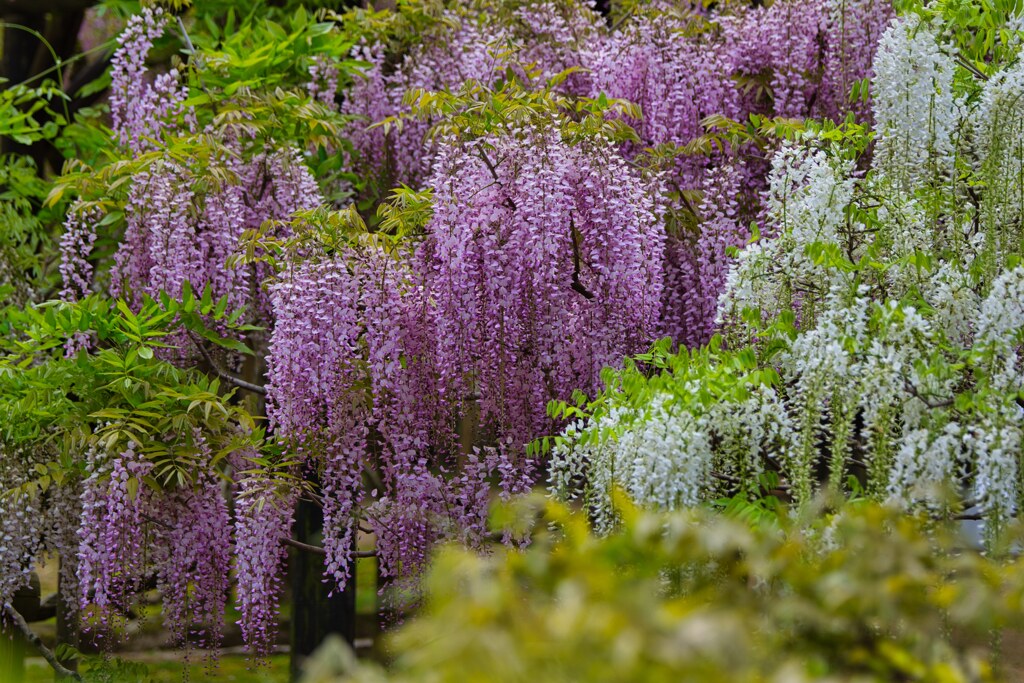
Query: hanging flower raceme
{"x": 318, "y": 401}
{"x": 676, "y": 69}
{"x": 194, "y": 561}
{"x": 75, "y": 268}
{"x": 75, "y": 247}
{"x": 852, "y": 30}
{"x": 314, "y": 351}
{"x": 808, "y": 193}
{"x": 263, "y": 517}
{"x": 683, "y": 67}
{"x": 422, "y": 507}
{"x": 780, "y": 44}
{"x": 445, "y": 59}
{"x": 113, "y": 532}
{"x": 555, "y": 36}
{"x": 696, "y": 266}
{"x": 323, "y": 80}
{"x": 193, "y": 554}
{"x": 167, "y": 242}
{"x": 129, "y": 532}
{"x": 37, "y": 521}
{"x": 804, "y": 57}
{"x": 1001, "y": 143}
{"x": 544, "y": 260}
{"x": 1000, "y": 330}
{"x": 21, "y": 527}
{"x": 141, "y": 107}
{"x": 916, "y": 111}
{"x": 351, "y": 373}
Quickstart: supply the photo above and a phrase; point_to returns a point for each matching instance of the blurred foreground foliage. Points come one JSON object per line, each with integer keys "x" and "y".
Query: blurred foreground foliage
{"x": 865, "y": 594}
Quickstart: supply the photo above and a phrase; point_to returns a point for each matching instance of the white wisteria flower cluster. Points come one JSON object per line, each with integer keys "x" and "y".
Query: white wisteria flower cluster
{"x": 871, "y": 339}
{"x": 917, "y": 114}
{"x": 807, "y": 194}
{"x": 1000, "y": 136}
{"x": 667, "y": 453}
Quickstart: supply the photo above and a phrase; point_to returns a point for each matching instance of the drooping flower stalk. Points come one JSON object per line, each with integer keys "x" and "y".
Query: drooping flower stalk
{"x": 113, "y": 533}
{"x": 193, "y": 554}
{"x": 263, "y": 516}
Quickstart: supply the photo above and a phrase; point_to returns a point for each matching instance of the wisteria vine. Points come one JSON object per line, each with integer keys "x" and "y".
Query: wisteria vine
{"x": 405, "y": 375}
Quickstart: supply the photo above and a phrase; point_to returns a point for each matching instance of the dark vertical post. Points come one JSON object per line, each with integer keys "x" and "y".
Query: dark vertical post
{"x": 12, "y": 643}
{"x": 314, "y": 614}
{"x": 67, "y": 624}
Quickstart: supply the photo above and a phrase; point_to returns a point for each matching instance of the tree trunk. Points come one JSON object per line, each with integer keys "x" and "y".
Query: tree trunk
{"x": 315, "y": 614}
{"x": 67, "y": 626}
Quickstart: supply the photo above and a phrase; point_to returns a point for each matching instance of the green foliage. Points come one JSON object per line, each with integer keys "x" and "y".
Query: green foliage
{"x": 259, "y": 53}
{"x": 848, "y": 137}
{"x": 309, "y": 235}
{"x": 55, "y": 407}
{"x": 406, "y": 212}
{"x": 867, "y": 594}
{"x": 26, "y": 246}
{"x": 247, "y": 74}
{"x": 475, "y": 110}
{"x": 698, "y": 378}
{"x": 27, "y": 115}
{"x": 408, "y": 24}
{"x": 979, "y": 31}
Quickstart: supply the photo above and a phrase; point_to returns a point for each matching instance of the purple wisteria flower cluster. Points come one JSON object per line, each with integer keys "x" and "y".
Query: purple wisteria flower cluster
{"x": 407, "y": 377}
{"x": 680, "y": 65}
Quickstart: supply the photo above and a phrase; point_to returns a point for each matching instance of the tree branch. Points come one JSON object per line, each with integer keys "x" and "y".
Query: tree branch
{"x": 944, "y": 403}
{"x": 184, "y": 35}
{"x": 317, "y": 550}
{"x": 494, "y": 174}
{"x": 488, "y": 164}
{"x": 33, "y": 639}
{"x": 315, "y": 501}
{"x": 726, "y": 478}
{"x": 962, "y": 61}
{"x": 577, "y": 286}
{"x": 622, "y": 20}
{"x": 227, "y": 376}
{"x": 156, "y": 521}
